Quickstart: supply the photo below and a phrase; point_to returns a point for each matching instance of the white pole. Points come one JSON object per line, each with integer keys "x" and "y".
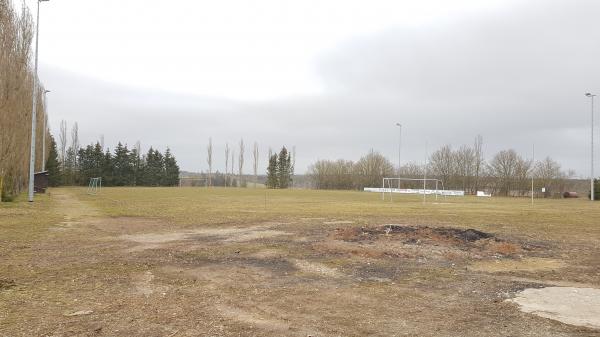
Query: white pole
{"x": 532, "y": 171}
{"x": 425, "y": 175}
{"x": 592, "y": 177}
{"x": 592, "y": 149}
{"x": 34, "y": 106}
{"x": 44, "y": 132}
{"x": 399, "y": 152}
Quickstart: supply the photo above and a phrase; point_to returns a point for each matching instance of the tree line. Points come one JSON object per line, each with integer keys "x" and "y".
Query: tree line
{"x": 72, "y": 165}
{"x": 16, "y": 91}
{"x": 279, "y": 171}
{"x": 464, "y": 168}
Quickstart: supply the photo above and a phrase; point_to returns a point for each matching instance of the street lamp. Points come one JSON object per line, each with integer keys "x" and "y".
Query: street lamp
{"x": 590, "y": 95}
{"x": 399, "y": 151}
{"x": 44, "y": 132}
{"x": 34, "y": 104}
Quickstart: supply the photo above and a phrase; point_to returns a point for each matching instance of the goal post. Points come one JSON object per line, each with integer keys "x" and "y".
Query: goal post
{"x": 193, "y": 182}
{"x": 387, "y": 187}
{"x": 94, "y": 186}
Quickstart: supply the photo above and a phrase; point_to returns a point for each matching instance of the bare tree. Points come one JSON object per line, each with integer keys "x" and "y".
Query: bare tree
{"x": 549, "y": 174}
{"x": 504, "y": 168}
{"x": 442, "y": 165}
{"x": 293, "y": 166}
{"x": 63, "y": 142}
{"x": 255, "y": 163}
{"x": 209, "y": 151}
{"x": 232, "y": 166}
{"x": 241, "y": 162}
{"x": 226, "y": 163}
{"x": 479, "y": 162}
{"x": 464, "y": 163}
{"x": 75, "y": 138}
{"x": 102, "y": 142}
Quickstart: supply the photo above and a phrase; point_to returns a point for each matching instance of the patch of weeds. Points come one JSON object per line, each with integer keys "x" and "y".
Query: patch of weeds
{"x": 6, "y": 284}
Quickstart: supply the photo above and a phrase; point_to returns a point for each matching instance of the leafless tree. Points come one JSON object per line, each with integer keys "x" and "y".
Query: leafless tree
{"x": 464, "y": 164}
{"x": 510, "y": 172}
{"x": 549, "y": 175}
{"x": 293, "y": 167}
{"x": 63, "y": 142}
{"x": 226, "y": 163}
{"x": 442, "y": 164}
{"x": 209, "y": 159}
{"x": 479, "y": 162}
{"x": 255, "y": 163}
{"x": 241, "y": 163}
{"x": 232, "y": 165}
{"x": 75, "y": 138}
{"x": 371, "y": 169}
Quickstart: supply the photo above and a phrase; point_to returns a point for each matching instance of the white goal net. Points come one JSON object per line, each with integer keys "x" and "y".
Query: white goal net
{"x": 426, "y": 186}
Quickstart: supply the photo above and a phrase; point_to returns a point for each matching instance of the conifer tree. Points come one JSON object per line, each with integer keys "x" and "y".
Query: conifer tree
{"x": 52, "y": 165}
{"x": 284, "y": 168}
{"x": 171, "y": 177}
{"x": 272, "y": 177}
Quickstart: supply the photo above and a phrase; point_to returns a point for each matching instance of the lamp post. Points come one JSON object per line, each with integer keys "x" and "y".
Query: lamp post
{"x": 399, "y": 152}
{"x": 34, "y": 105}
{"x": 590, "y": 95}
{"x": 44, "y": 132}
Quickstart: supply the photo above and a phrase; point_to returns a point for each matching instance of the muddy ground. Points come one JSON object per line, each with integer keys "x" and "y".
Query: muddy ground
{"x": 94, "y": 275}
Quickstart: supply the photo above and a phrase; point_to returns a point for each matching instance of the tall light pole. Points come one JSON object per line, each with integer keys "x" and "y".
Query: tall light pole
{"x": 34, "y": 104}
{"x": 44, "y": 132}
{"x": 399, "y": 152}
{"x": 590, "y": 95}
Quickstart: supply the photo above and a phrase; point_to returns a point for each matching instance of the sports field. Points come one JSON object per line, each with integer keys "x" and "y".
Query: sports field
{"x": 257, "y": 262}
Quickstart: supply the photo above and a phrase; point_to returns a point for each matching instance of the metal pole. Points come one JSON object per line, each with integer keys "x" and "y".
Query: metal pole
{"x": 44, "y": 133}
{"x": 34, "y": 106}
{"x": 592, "y": 149}
{"x": 592, "y": 177}
{"x": 425, "y": 176}
{"x": 532, "y": 171}
{"x": 399, "y": 152}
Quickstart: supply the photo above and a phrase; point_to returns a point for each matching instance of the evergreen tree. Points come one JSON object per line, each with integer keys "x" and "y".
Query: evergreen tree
{"x": 122, "y": 170}
{"x": 54, "y": 174}
{"x": 107, "y": 168}
{"x": 154, "y": 167}
{"x": 284, "y": 168}
{"x": 272, "y": 177}
{"x": 171, "y": 172}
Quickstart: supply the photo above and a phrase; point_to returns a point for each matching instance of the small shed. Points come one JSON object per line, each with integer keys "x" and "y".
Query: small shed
{"x": 40, "y": 182}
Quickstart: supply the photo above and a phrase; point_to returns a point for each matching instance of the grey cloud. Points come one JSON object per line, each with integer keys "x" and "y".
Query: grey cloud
{"x": 516, "y": 77}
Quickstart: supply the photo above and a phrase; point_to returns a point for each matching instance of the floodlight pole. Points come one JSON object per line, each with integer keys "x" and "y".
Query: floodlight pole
{"x": 590, "y": 95}
{"x": 532, "y": 170}
{"x": 399, "y": 152}
{"x": 44, "y": 134}
{"x": 34, "y": 105}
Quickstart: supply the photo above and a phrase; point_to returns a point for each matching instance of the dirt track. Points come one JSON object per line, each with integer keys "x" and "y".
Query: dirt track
{"x": 93, "y": 275}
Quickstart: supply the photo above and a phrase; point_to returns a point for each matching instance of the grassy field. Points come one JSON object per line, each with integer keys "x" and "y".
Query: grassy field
{"x": 257, "y": 262}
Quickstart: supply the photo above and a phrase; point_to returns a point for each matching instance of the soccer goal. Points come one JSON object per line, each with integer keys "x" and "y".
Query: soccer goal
{"x": 95, "y": 185}
{"x": 193, "y": 182}
{"x": 389, "y": 186}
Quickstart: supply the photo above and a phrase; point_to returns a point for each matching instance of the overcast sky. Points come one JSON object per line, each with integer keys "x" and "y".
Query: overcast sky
{"x": 329, "y": 77}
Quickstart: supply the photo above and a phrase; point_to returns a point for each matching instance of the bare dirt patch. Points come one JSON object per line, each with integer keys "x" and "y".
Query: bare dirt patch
{"x": 531, "y": 264}
{"x": 576, "y": 306}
